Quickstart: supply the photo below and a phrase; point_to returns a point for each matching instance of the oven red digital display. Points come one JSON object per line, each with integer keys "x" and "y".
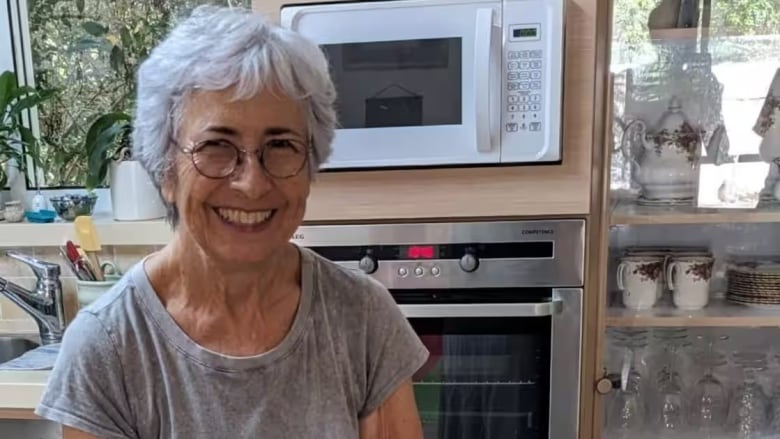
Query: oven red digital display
{"x": 420, "y": 252}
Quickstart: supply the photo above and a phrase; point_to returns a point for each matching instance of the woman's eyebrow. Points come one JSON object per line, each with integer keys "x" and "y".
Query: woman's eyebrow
{"x": 220, "y": 129}
{"x": 275, "y": 131}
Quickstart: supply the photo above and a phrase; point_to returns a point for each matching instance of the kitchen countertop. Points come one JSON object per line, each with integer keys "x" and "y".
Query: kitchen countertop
{"x": 21, "y": 390}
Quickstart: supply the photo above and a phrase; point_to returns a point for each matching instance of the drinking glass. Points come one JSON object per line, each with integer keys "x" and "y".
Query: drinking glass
{"x": 669, "y": 407}
{"x": 709, "y": 400}
{"x": 747, "y": 417}
{"x": 626, "y": 410}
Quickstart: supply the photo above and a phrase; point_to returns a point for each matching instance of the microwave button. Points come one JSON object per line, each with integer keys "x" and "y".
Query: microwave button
{"x": 524, "y": 75}
{"x": 511, "y": 127}
{"x": 536, "y": 54}
{"x": 513, "y": 54}
{"x": 536, "y": 64}
{"x": 435, "y": 270}
{"x": 525, "y": 65}
{"x": 536, "y": 74}
{"x": 525, "y": 107}
{"x": 419, "y": 271}
{"x": 525, "y": 54}
{"x": 513, "y": 65}
{"x": 536, "y": 107}
{"x": 536, "y": 126}
{"x": 511, "y": 86}
{"x": 535, "y": 98}
{"x": 513, "y": 99}
{"x": 524, "y": 98}
{"x": 403, "y": 272}
{"x": 511, "y": 108}
{"x": 524, "y": 86}
{"x": 513, "y": 76}
{"x": 523, "y": 126}
{"x": 536, "y": 85}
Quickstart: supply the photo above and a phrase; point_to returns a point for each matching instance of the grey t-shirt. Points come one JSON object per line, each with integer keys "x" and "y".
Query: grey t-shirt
{"x": 126, "y": 370}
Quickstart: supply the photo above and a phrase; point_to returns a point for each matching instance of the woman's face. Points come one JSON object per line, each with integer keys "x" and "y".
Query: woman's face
{"x": 246, "y": 216}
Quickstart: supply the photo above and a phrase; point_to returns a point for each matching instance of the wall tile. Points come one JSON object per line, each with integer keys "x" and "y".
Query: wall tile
{"x": 127, "y": 256}
{"x": 12, "y": 267}
{"x": 10, "y": 310}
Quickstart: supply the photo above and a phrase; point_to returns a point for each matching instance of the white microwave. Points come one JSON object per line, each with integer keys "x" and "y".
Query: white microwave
{"x": 441, "y": 82}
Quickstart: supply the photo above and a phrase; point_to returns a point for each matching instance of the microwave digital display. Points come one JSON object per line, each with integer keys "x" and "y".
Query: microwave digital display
{"x": 525, "y": 32}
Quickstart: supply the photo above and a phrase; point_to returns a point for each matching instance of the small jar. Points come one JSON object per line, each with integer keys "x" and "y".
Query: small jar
{"x": 14, "y": 212}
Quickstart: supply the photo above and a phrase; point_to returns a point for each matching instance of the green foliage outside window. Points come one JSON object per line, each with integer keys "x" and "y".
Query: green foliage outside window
{"x": 90, "y": 51}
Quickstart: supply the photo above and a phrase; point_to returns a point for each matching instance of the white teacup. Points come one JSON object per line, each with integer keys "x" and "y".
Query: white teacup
{"x": 640, "y": 278}
{"x": 689, "y": 279}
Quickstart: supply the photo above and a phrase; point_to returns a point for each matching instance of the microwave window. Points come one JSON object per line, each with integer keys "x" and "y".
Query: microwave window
{"x": 397, "y": 83}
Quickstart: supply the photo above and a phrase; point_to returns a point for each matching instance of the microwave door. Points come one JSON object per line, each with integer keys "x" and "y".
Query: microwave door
{"x": 413, "y": 89}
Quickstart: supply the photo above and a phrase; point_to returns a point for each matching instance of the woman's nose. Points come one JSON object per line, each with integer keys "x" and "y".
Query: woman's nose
{"x": 250, "y": 179}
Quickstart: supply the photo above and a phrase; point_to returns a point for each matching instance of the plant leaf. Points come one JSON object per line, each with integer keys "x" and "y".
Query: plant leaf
{"x": 80, "y": 6}
{"x": 7, "y": 87}
{"x": 95, "y": 29}
{"x": 30, "y": 101}
{"x": 117, "y": 59}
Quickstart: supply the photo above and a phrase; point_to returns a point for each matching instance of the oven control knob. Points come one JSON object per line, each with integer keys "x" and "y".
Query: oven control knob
{"x": 367, "y": 264}
{"x": 469, "y": 262}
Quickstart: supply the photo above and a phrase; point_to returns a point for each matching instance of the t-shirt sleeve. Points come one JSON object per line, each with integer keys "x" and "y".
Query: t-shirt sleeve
{"x": 86, "y": 387}
{"x": 394, "y": 350}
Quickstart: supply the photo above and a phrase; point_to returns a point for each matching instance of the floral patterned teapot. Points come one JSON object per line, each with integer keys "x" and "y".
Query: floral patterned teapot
{"x": 666, "y": 157}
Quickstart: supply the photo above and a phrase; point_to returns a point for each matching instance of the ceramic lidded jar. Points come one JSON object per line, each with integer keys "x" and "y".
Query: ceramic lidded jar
{"x": 669, "y": 158}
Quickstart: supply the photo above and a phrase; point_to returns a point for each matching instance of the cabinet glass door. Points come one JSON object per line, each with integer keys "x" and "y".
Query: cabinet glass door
{"x": 694, "y": 240}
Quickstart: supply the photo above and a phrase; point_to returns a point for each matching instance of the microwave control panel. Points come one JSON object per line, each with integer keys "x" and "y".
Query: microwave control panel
{"x": 532, "y": 80}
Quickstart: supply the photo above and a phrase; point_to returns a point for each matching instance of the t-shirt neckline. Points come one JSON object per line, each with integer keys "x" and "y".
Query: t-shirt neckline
{"x": 209, "y": 358}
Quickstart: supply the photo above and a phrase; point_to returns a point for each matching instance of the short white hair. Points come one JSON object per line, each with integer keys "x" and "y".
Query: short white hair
{"x": 220, "y": 47}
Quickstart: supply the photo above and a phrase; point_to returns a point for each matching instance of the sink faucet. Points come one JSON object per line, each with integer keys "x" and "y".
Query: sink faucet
{"x": 45, "y": 304}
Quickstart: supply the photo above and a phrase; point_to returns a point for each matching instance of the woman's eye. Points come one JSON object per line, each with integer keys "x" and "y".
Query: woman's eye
{"x": 281, "y": 143}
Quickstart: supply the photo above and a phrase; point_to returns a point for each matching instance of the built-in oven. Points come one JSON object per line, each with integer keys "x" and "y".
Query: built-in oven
{"x": 499, "y": 306}
{"x": 440, "y": 82}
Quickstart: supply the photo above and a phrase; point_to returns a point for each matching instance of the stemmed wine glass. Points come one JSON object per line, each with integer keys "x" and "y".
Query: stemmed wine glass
{"x": 626, "y": 410}
{"x": 709, "y": 400}
{"x": 747, "y": 417}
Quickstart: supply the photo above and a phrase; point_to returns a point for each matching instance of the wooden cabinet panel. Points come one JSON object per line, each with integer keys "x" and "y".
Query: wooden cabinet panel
{"x": 480, "y": 191}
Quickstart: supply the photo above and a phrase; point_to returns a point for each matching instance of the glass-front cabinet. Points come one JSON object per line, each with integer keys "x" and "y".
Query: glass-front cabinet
{"x": 692, "y": 345}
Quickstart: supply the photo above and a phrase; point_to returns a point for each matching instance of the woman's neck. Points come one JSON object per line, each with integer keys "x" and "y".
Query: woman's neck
{"x": 186, "y": 274}
{"x": 227, "y": 308}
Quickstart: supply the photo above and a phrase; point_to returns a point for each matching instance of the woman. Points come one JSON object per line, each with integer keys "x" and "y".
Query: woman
{"x": 231, "y": 331}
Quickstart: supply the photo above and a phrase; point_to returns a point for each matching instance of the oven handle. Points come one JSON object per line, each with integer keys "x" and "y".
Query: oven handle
{"x": 483, "y": 46}
{"x": 540, "y": 309}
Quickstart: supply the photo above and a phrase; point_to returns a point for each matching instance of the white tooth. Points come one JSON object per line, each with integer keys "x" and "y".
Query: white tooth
{"x": 243, "y": 217}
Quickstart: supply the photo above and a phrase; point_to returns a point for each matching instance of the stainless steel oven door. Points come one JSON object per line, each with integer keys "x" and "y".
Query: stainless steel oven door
{"x": 500, "y": 370}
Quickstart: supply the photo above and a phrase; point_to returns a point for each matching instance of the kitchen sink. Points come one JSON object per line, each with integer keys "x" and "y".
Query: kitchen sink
{"x": 12, "y": 347}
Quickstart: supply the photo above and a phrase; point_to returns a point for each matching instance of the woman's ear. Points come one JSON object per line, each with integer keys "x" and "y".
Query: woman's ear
{"x": 168, "y": 185}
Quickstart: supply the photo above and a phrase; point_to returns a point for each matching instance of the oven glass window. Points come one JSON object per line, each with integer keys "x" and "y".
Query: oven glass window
{"x": 397, "y": 83}
{"x": 487, "y": 378}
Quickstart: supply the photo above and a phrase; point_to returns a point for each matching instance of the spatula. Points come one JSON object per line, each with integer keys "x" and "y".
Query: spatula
{"x": 88, "y": 239}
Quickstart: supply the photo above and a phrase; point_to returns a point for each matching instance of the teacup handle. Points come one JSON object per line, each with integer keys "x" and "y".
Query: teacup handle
{"x": 671, "y": 269}
{"x": 621, "y": 271}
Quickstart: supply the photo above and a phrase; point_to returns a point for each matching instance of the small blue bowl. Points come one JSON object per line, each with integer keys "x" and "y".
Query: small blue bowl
{"x": 43, "y": 216}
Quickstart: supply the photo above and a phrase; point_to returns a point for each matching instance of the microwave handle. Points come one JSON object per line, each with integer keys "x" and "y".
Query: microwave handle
{"x": 445, "y": 310}
{"x": 483, "y": 46}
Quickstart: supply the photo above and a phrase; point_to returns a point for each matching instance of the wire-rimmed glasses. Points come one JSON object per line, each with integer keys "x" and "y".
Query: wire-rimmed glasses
{"x": 279, "y": 158}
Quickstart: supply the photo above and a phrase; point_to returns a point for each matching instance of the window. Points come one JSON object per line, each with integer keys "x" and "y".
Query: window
{"x": 89, "y": 50}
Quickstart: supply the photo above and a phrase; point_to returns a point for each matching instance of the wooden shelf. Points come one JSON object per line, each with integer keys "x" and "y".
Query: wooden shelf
{"x": 626, "y": 213}
{"x": 718, "y": 313}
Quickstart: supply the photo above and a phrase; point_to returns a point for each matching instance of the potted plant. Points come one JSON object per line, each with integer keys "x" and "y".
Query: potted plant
{"x": 17, "y": 142}
{"x": 133, "y": 195}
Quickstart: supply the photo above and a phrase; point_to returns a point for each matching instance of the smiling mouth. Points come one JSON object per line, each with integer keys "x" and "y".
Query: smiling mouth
{"x": 244, "y": 217}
